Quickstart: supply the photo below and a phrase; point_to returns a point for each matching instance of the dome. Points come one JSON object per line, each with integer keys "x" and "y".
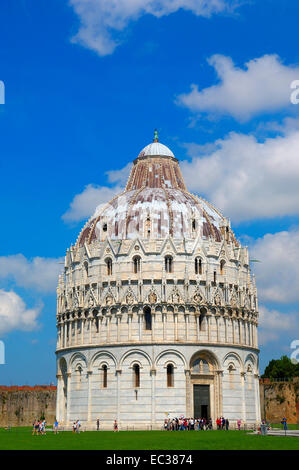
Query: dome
{"x": 155, "y": 205}
{"x": 156, "y": 148}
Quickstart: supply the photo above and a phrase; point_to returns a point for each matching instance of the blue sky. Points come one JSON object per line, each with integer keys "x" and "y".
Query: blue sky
{"x": 86, "y": 85}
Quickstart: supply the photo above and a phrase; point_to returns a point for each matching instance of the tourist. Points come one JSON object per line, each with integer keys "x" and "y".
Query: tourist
{"x": 239, "y": 424}
{"x": 78, "y": 425}
{"x": 55, "y": 426}
{"x": 226, "y": 424}
{"x": 43, "y": 427}
{"x": 284, "y": 423}
{"x": 115, "y": 426}
{"x": 98, "y": 424}
{"x": 35, "y": 427}
{"x": 74, "y": 426}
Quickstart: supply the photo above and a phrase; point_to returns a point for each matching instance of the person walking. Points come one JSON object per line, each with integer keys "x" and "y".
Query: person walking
{"x": 98, "y": 424}
{"x": 78, "y": 425}
{"x": 226, "y": 424}
{"x": 115, "y": 426}
{"x": 284, "y": 423}
{"x": 55, "y": 426}
{"x": 239, "y": 424}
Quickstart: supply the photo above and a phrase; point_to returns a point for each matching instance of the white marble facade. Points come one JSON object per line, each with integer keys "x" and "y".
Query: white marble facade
{"x": 156, "y": 299}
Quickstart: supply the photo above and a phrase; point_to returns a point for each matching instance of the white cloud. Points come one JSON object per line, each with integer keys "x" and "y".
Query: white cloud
{"x": 38, "y": 273}
{"x": 245, "y": 178}
{"x": 94, "y": 197}
{"x": 120, "y": 177}
{"x": 272, "y": 324}
{"x": 14, "y": 315}
{"x": 263, "y": 86}
{"x": 84, "y": 204}
{"x": 277, "y": 275}
{"x": 101, "y": 21}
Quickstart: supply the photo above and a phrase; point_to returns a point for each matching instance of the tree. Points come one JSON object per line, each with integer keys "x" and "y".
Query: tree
{"x": 281, "y": 368}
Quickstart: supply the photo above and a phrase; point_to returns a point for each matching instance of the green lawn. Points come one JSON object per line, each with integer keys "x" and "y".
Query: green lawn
{"x": 21, "y": 438}
{"x": 279, "y": 426}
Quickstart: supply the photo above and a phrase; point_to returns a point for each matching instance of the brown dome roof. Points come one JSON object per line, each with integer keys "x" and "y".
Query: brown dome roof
{"x": 156, "y": 204}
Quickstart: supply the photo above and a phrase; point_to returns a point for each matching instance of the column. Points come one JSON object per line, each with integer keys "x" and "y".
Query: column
{"x": 219, "y": 402}
{"x": 108, "y": 316}
{"x": 100, "y": 319}
{"x": 61, "y": 335}
{"x": 89, "y": 383}
{"x": 164, "y": 317}
{"x": 217, "y": 316}
{"x": 209, "y": 327}
{"x": 90, "y": 329}
{"x": 245, "y": 332}
{"x": 140, "y": 319}
{"x": 130, "y": 315}
{"x": 59, "y": 392}
{"x": 243, "y": 396}
{"x": 118, "y": 373}
{"x": 64, "y": 334}
{"x": 153, "y": 376}
{"x": 70, "y": 331}
{"x": 257, "y": 399}
{"x": 176, "y": 326}
{"x": 240, "y": 331}
{"x": 82, "y": 329}
{"x": 188, "y": 393}
{"x": 197, "y": 316}
{"x": 68, "y": 397}
{"x": 118, "y": 320}
{"x": 225, "y": 327}
{"x": 187, "y": 325}
{"x": 233, "y": 328}
{"x": 153, "y": 325}
{"x": 76, "y": 330}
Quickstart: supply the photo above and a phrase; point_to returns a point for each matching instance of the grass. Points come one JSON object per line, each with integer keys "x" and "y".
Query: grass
{"x": 280, "y": 426}
{"x": 22, "y": 439}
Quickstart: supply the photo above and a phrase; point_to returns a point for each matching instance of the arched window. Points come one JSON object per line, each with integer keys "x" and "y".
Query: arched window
{"x": 215, "y": 277}
{"x": 79, "y": 376}
{"x": 109, "y": 266}
{"x": 170, "y": 375}
{"x": 168, "y": 264}
{"x": 148, "y": 318}
{"x": 136, "y": 264}
{"x": 104, "y": 227}
{"x": 222, "y": 264}
{"x": 148, "y": 227}
{"x": 86, "y": 268}
{"x": 193, "y": 225}
{"x": 136, "y": 375}
{"x": 104, "y": 376}
{"x": 198, "y": 266}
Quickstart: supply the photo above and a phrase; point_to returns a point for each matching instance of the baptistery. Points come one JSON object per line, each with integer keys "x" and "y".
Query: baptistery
{"x": 157, "y": 309}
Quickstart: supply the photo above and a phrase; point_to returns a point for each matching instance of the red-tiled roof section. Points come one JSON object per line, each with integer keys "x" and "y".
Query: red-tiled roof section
{"x": 156, "y": 172}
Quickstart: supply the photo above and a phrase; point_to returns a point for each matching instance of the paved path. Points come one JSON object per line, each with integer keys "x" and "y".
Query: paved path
{"x": 281, "y": 432}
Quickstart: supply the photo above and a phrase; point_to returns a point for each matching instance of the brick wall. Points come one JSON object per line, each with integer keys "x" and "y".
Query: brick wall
{"x": 19, "y": 406}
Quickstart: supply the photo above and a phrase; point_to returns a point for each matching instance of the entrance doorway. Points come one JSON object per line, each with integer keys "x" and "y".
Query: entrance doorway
{"x": 201, "y": 398}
